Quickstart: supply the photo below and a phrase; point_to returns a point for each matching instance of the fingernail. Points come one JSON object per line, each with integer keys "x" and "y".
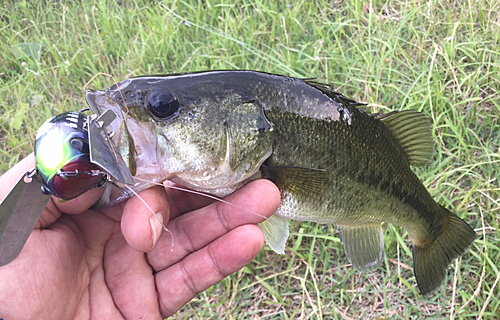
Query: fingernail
{"x": 156, "y": 222}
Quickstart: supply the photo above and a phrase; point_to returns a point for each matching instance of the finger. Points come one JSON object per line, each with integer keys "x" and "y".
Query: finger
{"x": 130, "y": 280}
{"x": 192, "y": 231}
{"x": 142, "y": 225}
{"x": 79, "y": 204}
{"x": 181, "y": 282}
{"x": 49, "y": 215}
{"x": 56, "y": 207}
{"x": 9, "y": 179}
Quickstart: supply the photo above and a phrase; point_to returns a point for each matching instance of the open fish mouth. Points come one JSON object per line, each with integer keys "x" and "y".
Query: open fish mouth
{"x": 128, "y": 155}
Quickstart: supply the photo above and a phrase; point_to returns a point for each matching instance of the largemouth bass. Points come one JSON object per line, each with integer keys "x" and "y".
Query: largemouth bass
{"x": 333, "y": 161}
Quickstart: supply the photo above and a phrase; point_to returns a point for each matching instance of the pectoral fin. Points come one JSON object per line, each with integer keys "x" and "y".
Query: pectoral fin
{"x": 301, "y": 182}
{"x": 276, "y": 232}
{"x": 363, "y": 245}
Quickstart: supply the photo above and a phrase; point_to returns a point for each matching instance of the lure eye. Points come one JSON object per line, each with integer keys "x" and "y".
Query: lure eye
{"x": 163, "y": 106}
{"x": 80, "y": 144}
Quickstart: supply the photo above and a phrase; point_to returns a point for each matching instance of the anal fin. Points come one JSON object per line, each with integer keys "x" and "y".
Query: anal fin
{"x": 276, "y": 232}
{"x": 363, "y": 245}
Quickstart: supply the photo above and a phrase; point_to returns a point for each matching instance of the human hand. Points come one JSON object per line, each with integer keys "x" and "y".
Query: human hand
{"x": 114, "y": 263}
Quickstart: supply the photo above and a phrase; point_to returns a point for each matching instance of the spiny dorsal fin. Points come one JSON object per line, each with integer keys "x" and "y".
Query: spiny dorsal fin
{"x": 327, "y": 90}
{"x": 412, "y": 129}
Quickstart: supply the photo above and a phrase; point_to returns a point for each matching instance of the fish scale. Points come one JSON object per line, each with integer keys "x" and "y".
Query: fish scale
{"x": 375, "y": 173}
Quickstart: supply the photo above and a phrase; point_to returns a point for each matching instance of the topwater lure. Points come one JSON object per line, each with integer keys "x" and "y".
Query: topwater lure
{"x": 73, "y": 154}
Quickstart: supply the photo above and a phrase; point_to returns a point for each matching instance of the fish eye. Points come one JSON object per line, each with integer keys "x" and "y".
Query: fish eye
{"x": 163, "y": 106}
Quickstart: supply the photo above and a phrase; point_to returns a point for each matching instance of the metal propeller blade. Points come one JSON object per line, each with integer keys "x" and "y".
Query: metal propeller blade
{"x": 19, "y": 213}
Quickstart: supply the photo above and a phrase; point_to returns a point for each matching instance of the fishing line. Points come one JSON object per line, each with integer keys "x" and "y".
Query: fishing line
{"x": 204, "y": 195}
{"x": 123, "y": 99}
{"x": 116, "y": 83}
{"x": 155, "y": 214}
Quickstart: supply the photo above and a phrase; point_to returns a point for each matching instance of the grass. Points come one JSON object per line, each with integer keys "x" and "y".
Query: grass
{"x": 442, "y": 58}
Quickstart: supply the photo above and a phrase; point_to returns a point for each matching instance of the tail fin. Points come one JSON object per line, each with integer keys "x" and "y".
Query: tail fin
{"x": 430, "y": 263}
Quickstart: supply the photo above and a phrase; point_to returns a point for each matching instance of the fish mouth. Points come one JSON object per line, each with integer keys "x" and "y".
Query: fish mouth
{"x": 103, "y": 150}
{"x": 131, "y": 142}
{"x": 98, "y": 101}
{"x": 134, "y": 139}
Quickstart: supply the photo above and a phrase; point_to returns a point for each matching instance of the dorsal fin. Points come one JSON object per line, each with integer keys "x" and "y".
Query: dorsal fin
{"x": 328, "y": 90}
{"x": 412, "y": 129}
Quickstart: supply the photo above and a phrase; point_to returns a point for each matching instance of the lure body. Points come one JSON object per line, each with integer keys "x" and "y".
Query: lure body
{"x": 62, "y": 157}
{"x": 65, "y": 168}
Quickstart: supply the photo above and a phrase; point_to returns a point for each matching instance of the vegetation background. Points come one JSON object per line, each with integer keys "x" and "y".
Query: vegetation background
{"x": 439, "y": 57}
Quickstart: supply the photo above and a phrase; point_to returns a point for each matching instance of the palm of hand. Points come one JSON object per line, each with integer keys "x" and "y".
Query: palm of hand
{"x": 92, "y": 264}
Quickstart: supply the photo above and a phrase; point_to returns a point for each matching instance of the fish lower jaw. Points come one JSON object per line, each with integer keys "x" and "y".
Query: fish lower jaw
{"x": 208, "y": 186}
{"x": 220, "y": 181}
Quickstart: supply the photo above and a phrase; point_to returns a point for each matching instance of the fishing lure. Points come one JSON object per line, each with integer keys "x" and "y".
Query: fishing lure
{"x": 73, "y": 154}
{"x": 62, "y": 157}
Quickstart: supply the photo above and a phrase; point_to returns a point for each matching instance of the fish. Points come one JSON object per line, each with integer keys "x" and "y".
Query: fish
{"x": 333, "y": 161}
